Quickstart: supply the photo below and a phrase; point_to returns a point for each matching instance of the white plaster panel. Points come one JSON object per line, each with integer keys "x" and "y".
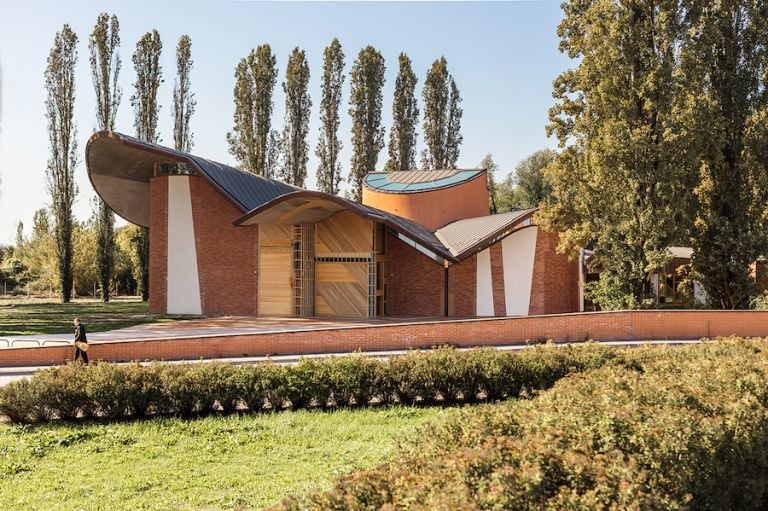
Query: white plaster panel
{"x": 518, "y": 252}
{"x": 484, "y": 294}
{"x": 183, "y": 281}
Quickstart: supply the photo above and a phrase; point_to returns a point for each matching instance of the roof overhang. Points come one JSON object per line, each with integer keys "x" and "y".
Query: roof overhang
{"x": 306, "y": 206}
{"x": 120, "y": 169}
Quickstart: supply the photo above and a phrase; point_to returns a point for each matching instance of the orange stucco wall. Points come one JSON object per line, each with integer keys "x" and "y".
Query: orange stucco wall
{"x": 436, "y": 208}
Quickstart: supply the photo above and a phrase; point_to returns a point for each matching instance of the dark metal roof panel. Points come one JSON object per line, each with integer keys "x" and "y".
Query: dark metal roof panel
{"x": 246, "y": 189}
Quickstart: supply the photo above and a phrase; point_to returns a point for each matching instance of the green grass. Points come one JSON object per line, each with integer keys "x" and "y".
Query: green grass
{"x": 22, "y": 316}
{"x": 233, "y": 462}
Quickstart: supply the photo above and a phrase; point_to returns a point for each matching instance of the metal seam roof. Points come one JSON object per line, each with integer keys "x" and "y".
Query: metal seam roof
{"x": 464, "y": 237}
{"x": 413, "y": 181}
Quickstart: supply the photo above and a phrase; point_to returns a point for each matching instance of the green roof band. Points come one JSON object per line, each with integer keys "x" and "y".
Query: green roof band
{"x": 414, "y": 181}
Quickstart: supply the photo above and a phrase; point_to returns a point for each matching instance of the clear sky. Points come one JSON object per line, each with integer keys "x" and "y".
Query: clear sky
{"x": 503, "y": 56}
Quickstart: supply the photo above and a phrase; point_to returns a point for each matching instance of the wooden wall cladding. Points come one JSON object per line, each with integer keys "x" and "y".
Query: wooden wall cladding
{"x": 341, "y": 289}
{"x": 344, "y": 233}
{"x": 275, "y": 276}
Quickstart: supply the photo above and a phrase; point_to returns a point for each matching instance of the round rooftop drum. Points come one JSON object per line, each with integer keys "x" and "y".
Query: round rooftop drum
{"x": 432, "y": 198}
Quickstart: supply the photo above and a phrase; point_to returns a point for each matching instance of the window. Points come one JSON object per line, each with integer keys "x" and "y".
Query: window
{"x": 173, "y": 169}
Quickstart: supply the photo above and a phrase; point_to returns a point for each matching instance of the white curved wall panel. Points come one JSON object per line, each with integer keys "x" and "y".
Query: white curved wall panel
{"x": 183, "y": 292}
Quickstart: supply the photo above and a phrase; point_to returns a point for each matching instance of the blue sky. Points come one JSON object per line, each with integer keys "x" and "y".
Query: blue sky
{"x": 503, "y": 56}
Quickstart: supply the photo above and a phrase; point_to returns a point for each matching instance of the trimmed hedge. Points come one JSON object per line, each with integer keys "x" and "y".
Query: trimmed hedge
{"x": 672, "y": 429}
{"x": 444, "y": 375}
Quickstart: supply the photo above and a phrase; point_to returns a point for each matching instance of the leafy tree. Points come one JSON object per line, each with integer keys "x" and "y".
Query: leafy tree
{"x": 442, "y": 118}
{"x": 724, "y": 61}
{"x": 103, "y": 45}
{"x": 149, "y": 73}
{"x": 255, "y": 78}
{"x": 366, "y": 83}
{"x": 329, "y": 145}
{"x": 405, "y": 118}
{"x": 62, "y": 138}
{"x": 183, "y": 99}
{"x": 297, "y": 109}
{"x": 532, "y": 187}
{"x": 620, "y": 183}
{"x": 491, "y": 167}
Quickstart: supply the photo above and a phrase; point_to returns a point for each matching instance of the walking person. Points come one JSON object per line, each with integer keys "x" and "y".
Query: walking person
{"x": 80, "y": 342}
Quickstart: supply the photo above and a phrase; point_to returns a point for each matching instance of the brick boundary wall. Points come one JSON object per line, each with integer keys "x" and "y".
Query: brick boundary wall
{"x": 600, "y": 326}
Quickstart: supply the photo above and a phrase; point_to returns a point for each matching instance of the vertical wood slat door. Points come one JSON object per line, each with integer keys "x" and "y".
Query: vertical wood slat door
{"x": 275, "y": 275}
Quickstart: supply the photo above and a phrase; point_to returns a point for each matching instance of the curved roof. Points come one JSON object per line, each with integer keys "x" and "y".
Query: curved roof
{"x": 119, "y": 167}
{"x": 306, "y": 206}
{"x": 465, "y": 237}
{"x": 413, "y": 181}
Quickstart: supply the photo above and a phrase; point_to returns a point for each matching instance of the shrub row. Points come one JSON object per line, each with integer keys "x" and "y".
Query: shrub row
{"x": 444, "y": 375}
{"x": 672, "y": 429}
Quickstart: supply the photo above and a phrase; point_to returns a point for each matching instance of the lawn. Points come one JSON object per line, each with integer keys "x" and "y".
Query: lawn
{"x": 232, "y": 462}
{"x": 24, "y": 316}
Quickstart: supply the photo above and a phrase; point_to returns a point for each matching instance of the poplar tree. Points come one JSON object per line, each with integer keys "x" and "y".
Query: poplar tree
{"x": 183, "y": 99}
{"x": 146, "y": 62}
{"x": 62, "y": 135}
{"x": 103, "y": 45}
{"x": 329, "y": 145}
{"x": 490, "y": 167}
{"x": 405, "y": 118}
{"x": 724, "y": 64}
{"x": 620, "y": 184}
{"x": 442, "y": 118}
{"x": 366, "y": 83}
{"x": 255, "y": 78}
{"x": 297, "y": 109}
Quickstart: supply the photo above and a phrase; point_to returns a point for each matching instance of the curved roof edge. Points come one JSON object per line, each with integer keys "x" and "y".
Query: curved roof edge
{"x": 411, "y": 230}
{"x": 416, "y": 181}
{"x": 472, "y": 235}
{"x": 119, "y": 167}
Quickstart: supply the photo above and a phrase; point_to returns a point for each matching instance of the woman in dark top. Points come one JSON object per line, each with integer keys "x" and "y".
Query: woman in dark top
{"x": 80, "y": 338}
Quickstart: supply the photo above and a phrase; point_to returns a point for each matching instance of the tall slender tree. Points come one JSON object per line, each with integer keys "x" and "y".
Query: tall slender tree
{"x": 255, "y": 78}
{"x": 103, "y": 45}
{"x": 405, "y": 118}
{"x": 297, "y": 109}
{"x": 724, "y": 64}
{"x": 329, "y": 145}
{"x": 620, "y": 184}
{"x": 366, "y": 83}
{"x": 183, "y": 99}
{"x": 149, "y": 73}
{"x": 62, "y": 138}
{"x": 442, "y": 118}
{"x": 490, "y": 167}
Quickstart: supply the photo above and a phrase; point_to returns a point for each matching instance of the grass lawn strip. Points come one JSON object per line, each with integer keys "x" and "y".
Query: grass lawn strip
{"x": 36, "y": 317}
{"x": 233, "y": 462}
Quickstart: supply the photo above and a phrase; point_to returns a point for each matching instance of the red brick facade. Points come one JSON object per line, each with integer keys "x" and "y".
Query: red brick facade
{"x": 497, "y": 276}
{"x": 227, "y": 256}
{"x": 415, "y": 285}
{"x": 600, "y": 326}
{"x": 462, "y": 288}
{"x": 555, "y": 284}
{"x": 158, "y": 244}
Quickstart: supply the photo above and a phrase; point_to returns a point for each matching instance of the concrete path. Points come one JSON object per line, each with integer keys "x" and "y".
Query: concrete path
{"x": 231, "y": 325}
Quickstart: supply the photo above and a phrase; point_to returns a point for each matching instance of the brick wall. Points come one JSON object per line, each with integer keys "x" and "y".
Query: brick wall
{"x": 415, "y": 281}
{"x": 555, "y": 285}
{"x": 603, "y": 326}
{"x": 497, "y": 277}
{"x": 158, "y": 244}
{"x": 227, "y": 256}
{"x": 462, "y": 288}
